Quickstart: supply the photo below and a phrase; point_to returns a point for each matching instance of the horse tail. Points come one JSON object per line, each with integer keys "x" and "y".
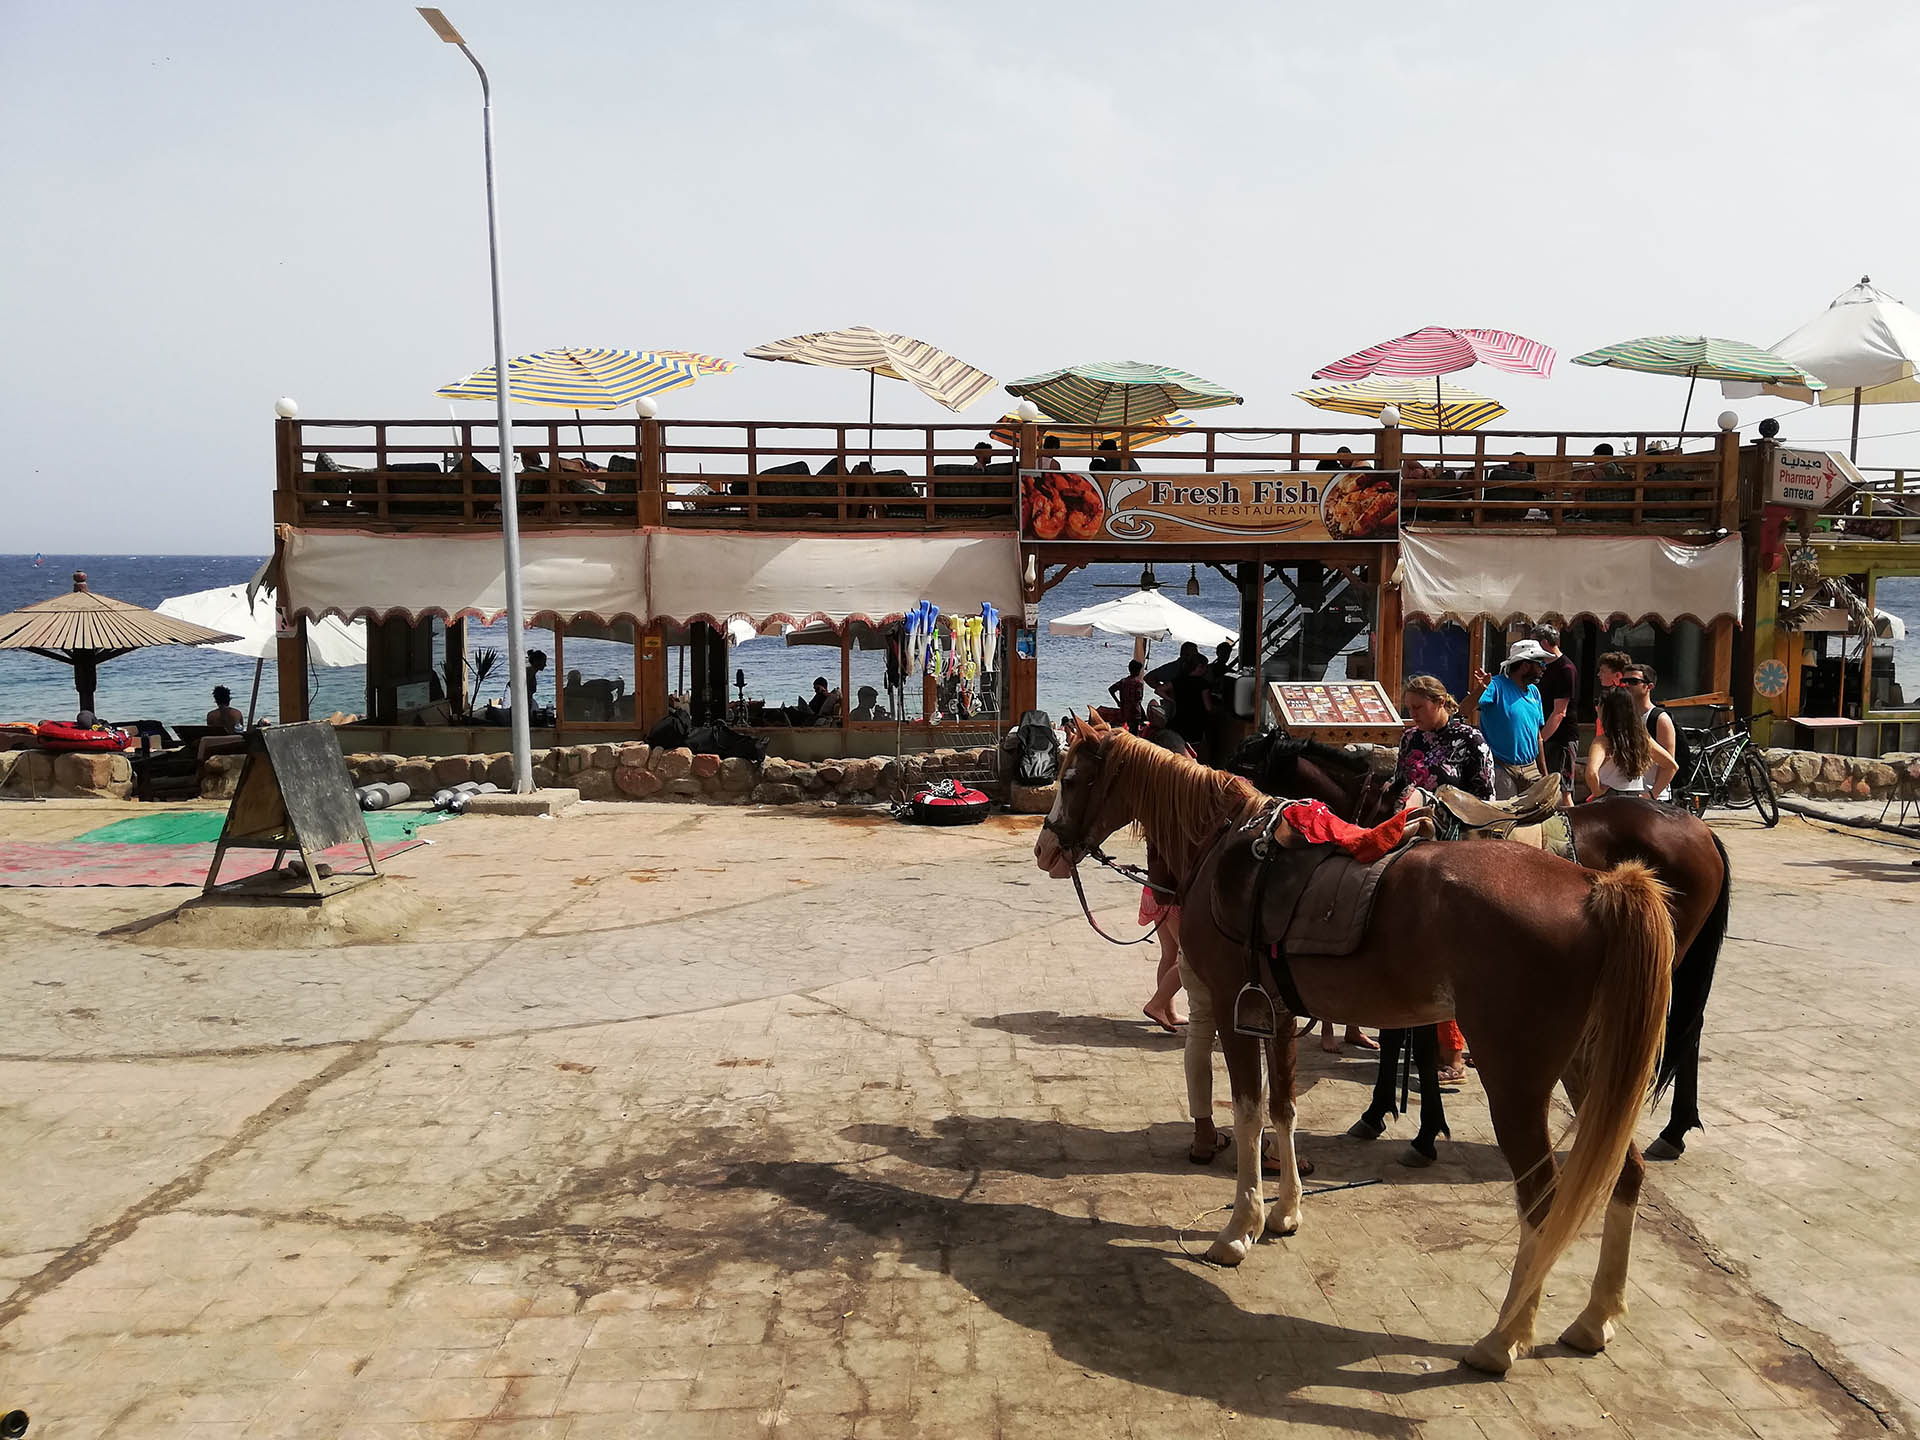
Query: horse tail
{"x": 1693, "y": 982}
{"x": 1626, "y": 911}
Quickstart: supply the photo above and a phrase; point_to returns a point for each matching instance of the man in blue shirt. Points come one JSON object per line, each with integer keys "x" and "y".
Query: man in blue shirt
{"x": 1511, "y": 717}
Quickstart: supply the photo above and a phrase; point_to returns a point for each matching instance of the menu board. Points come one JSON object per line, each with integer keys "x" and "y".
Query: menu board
{"x": 1305, "y": 703}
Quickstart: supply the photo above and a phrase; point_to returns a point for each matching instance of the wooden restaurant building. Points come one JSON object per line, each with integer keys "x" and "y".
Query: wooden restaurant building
{"x": 657, "y": 534}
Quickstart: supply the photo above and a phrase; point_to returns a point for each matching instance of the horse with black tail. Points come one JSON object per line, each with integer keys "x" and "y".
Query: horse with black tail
{"x": 1681, "y": 850}
{"x": 1555, "y": 972}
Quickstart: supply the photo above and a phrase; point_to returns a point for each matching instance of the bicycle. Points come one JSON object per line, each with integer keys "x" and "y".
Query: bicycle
{"x": 1726, "y": 770}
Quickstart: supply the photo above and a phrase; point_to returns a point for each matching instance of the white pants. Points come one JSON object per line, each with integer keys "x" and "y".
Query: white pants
{"x": 1200, "y": 1037}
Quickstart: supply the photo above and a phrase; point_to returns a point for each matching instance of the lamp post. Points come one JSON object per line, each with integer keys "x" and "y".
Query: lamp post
{"x": 517, "y": 687}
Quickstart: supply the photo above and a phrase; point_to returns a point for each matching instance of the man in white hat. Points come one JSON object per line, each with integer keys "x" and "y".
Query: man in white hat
{"x": 1511, "y": 717}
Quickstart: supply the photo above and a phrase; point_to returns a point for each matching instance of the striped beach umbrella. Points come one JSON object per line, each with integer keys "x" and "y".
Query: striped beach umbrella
{"x": 1119, "y": 392}
{"x": 589, "y": 379}
{"x": 1438, "y": 351}
{"x": 1459, "y": 409}
{"x": 1700, "y": 357}
{"x": 1085, "y": 442}
{"x": 941, "y": 377}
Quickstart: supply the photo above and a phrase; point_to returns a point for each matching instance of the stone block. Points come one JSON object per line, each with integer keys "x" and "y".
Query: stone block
{"x": 676, "y": 764}
{"x": 776, "y": 768}
{"x": 30, "y": 772}
{"x": 544, "y": 777}
{"x": 1833, "y": 769}
{"x": 500, "y": 770}
{"x": 1805, "y": 768}
{"x": 886, "y": 779}
{"x": 640, "y": 784}
{"x": 736, "y": 774}
{"x": 705, "y": 767}
{"x": 635, "y": 752}
{"x": 830, "y": 774}
{"x": 594, "y": 783}
{"x": 1880, "y": 778}
{"x": 220, "y": 776}
{"x": 452, "y": 770}
{"x": 685, "y": 785}
{"x": 104, "y": 775}
{"x": 776, "y": 794}
{"x": 603, "y": 757}
{"x": 545, "y": 801}
{"x": 417, "y": 776}
{"x": 1032, "y": 799}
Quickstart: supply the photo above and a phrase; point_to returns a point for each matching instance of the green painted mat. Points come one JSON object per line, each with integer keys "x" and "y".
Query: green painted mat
{"x": 202, "y": 827}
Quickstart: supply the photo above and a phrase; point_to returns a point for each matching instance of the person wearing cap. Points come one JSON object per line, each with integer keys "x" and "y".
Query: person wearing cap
{"x": 1511, "y": 717}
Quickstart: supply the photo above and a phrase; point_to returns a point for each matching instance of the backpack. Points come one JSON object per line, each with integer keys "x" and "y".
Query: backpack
{"x": 719, "y": 738}
{"x": 672, "y": 732}
{"x": 1682, "y": 748}
{"x": 1039, "y": 754}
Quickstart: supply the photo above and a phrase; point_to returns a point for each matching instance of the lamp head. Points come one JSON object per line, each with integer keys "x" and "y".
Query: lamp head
{"x": 442, "y": 26}
{"x": 286, "y": 407}
{"x": 1193, "y": 580}
{"x": 1769, "y": 428}
{"x": 1027, "y": 411}
{"x": 1729, "y": 420}
{"x": 646, "y": 407}
{"x": 1390, "y": 416}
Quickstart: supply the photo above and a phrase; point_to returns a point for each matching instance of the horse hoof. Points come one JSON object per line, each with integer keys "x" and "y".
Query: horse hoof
{"x": 1282, "y": 1225}
{"x": 1228, "y": 1252}
{"x": 1491, "y": 1355}
{"x": 1587, "y": 1336}
{"x": 1665, "y": 1149}
{"x": 1417, "y": 1159}
{"x": 1365, "y": 1129}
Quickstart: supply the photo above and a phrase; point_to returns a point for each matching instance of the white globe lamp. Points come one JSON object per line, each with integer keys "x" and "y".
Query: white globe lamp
{"x": 1390, "y": 416}
{"x": 1729, "y": 420}
{"x": 1027, "y": 411}
{"x": 286, "y": 407}
{"x": 646, "y": 407}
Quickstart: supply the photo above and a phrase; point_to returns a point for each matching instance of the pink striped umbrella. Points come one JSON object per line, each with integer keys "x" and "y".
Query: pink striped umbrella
{"x": 1438, "y": 351}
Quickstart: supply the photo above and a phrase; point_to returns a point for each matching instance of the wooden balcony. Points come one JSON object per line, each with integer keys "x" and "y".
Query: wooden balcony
{"x": 811, "y": 477}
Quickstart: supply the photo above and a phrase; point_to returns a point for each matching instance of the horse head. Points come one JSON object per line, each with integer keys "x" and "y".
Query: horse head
{"x": 1085, "y": 810}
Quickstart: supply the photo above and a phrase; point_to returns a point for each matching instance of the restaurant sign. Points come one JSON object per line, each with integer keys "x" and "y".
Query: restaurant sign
{"x": 1306, "y": 506}
{"x": 1809, "y": 479}
{"x": 1302, "y": 703}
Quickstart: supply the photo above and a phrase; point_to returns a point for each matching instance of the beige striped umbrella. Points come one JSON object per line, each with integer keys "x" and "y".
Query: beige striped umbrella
{"x": 83, "y": 630}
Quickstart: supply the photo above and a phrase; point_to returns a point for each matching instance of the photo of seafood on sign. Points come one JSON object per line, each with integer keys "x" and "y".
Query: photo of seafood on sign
{"x": 1306, "y": 506}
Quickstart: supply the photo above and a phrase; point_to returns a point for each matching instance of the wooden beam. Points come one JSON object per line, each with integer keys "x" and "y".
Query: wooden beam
{"x": 1388, "y": 623}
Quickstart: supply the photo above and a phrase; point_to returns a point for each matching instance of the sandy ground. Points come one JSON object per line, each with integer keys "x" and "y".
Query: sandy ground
{"x": 676, "y": 1121}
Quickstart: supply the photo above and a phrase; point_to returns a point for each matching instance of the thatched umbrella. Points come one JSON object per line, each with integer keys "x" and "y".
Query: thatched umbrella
{"x": 84, "y": 630}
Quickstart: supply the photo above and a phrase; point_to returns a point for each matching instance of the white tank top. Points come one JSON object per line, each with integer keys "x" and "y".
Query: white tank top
{"x": 1619, "y": 782}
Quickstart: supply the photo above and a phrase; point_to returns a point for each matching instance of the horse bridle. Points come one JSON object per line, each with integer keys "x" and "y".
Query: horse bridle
{"x": 1134, "y": 873}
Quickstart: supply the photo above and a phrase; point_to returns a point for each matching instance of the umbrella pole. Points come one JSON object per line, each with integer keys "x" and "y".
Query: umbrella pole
{"x": 1853, "y": 445}
{"x": 1439, "y": 422}
{"x": 253, "y": 700}
{"x": 1693, "y": 378}
{"x": 871, "y": 378}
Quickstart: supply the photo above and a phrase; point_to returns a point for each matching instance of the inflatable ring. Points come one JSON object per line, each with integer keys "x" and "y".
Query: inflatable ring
{"x": 966, "y": 806}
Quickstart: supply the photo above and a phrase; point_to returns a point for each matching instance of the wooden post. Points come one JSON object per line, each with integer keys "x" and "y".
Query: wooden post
{"x": 650, "y": 676}
{"x": 290, "y": 651}
{"x": 1259, "y": 636}
{"x": 846, "y": 682}
{"x": 455, "y": 649}
{"x": 1387, "y": 622}
{"x": 651, "y": 506}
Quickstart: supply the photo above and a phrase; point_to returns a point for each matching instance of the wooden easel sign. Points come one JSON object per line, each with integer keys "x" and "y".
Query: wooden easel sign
{"x": 294, "y": 794}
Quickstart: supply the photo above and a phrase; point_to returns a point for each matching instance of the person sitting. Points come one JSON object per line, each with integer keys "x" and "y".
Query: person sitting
{"x": 1050, "y": 453}
{"x": 1334, "y": 462}
{"x": 825, "y": 705}
{"x": 1624, "y": 758}
{"x": 983, "y": 457}
{"x": 869, "y": 707}
{"x": 224, "y": 718}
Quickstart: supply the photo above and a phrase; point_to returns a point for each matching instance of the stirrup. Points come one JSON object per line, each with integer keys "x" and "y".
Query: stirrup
{"x": 1256, "y": 1020}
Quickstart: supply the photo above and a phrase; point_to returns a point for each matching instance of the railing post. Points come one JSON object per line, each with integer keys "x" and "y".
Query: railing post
{"x": 1727, "y": 458}
{"x": 651, "y": 508}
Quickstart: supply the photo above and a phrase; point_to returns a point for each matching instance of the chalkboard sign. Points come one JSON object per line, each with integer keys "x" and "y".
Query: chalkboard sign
{"x": 294, "y": 794}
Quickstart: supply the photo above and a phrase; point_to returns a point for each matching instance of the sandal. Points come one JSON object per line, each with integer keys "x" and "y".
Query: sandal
{"x": 1220, "y": 1142}
{"x": 1453, "y": 1074}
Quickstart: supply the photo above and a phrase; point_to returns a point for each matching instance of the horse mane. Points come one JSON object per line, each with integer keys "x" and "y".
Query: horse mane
{"x": 1180, "y": 801}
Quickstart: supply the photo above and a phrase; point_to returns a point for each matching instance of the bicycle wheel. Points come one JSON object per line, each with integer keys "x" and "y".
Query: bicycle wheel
{"x": 1758, "y": 785}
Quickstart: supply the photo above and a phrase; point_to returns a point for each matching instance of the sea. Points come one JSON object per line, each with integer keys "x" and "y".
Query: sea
{"x": 174, "y": 684}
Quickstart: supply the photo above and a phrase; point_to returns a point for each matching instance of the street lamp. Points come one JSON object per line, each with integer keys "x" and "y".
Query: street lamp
{"x": 517, "y": 688}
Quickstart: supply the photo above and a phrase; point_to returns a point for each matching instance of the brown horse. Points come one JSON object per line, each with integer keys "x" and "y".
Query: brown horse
{"x": 1552, "y": 971}
{"x": 1681, "y": 849}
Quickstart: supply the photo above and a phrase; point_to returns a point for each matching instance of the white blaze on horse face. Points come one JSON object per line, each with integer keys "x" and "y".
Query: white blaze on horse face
{"x": 1048, "y": 853}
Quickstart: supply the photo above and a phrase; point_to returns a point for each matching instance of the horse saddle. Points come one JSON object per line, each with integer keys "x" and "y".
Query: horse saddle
{"x": 1469, "y": 812}
{"x": 1314, "y": 899}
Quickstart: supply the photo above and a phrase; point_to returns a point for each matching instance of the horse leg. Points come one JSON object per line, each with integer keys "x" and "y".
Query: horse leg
{"x": 1520, "y": 1125}
{"x": 1607, "y": 1301}
{"x": 1372, "y": 1123}
{"x": 1685, "y": 1114}
{"x": 1281, "y": 1049}
{"x": 1421, "y": 1151}
{"x": 1249, "y": 1216}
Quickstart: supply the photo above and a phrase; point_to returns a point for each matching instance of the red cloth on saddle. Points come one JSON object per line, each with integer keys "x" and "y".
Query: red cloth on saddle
{"x": 1318, "y": 825}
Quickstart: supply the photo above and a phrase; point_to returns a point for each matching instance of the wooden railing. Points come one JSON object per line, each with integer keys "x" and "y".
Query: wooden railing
{"x": 1887, "y": 507}
{"x": 812, "y": 476}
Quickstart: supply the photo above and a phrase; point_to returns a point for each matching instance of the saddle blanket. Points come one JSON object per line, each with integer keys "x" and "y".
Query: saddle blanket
{"x": 1314, "y": 899}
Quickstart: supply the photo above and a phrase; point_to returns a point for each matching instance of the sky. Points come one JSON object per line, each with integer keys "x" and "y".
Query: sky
{"x": 214, "y": 204}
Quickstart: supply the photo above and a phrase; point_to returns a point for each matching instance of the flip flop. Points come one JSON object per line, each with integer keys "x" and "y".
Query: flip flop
{"x": 1173, "y": 1029}
{"x": 1270, "y": 1168}
{"x": 1220, "y": 1142}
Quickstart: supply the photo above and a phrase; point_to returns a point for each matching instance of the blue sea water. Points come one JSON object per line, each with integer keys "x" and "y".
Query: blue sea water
{"x": 174, "y": 684}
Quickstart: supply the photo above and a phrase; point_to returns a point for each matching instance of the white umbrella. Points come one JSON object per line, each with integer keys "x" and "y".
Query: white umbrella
{"x": 1142, "y": 615}
{"x": 1865, "y": 345}
{"x": 248, "y": 612}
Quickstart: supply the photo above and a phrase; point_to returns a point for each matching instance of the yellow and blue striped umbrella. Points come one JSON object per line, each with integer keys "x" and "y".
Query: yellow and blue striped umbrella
{"x": 1458, "y": 411}
{"x": 589, "y": 379}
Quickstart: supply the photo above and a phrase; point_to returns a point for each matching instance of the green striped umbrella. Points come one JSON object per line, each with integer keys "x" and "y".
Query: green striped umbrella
{"x": 1700, "y": 357}
{"x": 1119, "y": 392}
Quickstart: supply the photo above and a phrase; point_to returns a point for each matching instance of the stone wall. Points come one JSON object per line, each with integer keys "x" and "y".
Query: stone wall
{"x": 635, "y": 771}
{"x": 47, "y": 774}
{"x": 1842, "y": 777}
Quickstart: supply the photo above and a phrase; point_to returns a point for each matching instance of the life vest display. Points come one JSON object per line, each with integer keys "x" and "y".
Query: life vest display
{"x": 65, "y": 735}
{"x": 950, "y": 803}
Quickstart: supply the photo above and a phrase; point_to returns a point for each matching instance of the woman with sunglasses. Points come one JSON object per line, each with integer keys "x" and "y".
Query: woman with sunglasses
{"x": 1638, "y": 682}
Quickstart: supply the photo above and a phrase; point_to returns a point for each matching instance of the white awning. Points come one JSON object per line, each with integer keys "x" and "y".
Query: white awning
{"x": 720, "y": 575}
{"x": 351, "y": 574}
{"x": 1615, "y": 577}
